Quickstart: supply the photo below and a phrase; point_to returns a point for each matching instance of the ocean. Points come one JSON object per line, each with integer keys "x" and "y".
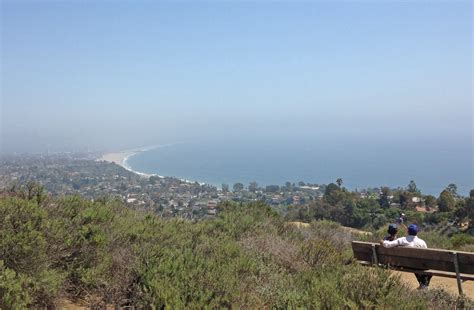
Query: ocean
{"x": 361, "y": 163}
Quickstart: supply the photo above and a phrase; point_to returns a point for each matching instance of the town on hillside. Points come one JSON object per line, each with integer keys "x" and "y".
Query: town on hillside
{"x": 82, "y": 174}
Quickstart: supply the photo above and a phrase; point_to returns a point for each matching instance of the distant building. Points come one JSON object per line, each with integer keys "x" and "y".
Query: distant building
{"x": 313, "y": 188}
{"x": 296, "y": 200}
{"x": 276, "y": 199}
{"x": 211, "y": 204}
{"x": 212, "y": 211}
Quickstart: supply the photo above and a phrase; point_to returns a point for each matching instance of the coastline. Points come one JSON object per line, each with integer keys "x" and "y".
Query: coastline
{"x": 120, "y": 158}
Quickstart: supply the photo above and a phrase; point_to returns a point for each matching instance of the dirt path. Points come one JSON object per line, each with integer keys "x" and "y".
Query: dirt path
{"x": 450, "y": 285}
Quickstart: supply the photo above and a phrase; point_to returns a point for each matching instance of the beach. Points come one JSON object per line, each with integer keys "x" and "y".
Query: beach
{"x": 120, "y": 158}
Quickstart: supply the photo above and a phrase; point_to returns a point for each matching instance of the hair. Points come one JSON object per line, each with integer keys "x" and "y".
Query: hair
{"x": 392, "y": 229}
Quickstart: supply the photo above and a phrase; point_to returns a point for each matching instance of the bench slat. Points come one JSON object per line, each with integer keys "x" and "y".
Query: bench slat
{"x": 464, "y": 277}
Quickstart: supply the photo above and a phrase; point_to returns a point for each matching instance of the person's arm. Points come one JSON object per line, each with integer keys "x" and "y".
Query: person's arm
{"x": 402, "y": 241}
{"x": 390, "y": 244}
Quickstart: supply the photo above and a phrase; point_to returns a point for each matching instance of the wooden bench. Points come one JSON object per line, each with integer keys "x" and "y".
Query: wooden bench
{"x": 436, "y": 262}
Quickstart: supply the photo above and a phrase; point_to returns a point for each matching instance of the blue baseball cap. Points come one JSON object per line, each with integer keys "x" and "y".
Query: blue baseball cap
{"x": 413, "y": 229}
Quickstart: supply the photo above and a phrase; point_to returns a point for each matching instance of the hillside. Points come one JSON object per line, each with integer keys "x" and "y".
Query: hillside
{"x": 102, "y": 253}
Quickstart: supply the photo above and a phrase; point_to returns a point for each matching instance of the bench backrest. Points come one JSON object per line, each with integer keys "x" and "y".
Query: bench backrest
{"x": 416, "y": 258}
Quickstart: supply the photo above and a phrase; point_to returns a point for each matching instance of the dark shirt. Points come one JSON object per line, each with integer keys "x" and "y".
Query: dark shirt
{"x": 389, "y": 237}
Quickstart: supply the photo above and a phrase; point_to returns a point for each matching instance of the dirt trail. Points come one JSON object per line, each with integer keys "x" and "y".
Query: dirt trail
{"x": 450, "y": 285}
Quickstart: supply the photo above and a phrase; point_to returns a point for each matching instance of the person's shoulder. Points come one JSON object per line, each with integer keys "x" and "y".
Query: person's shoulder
{"x": 421, "y": 242}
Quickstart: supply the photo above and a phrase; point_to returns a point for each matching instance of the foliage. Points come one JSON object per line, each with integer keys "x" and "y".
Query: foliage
{"x": 412, "y": 188}
{"x": 460, "y": 240}
{"x": 13, "y": 289}
{"x": 24, "y": 250}
{"x": 238, "y": 187}
{"x": 101, "y": 253}
{"x": 446, "y": 201}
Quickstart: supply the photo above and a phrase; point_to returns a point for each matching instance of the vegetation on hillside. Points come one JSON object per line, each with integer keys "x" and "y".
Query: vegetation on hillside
{"x": 450, "y": 218}
{"x": 101, "y": 253}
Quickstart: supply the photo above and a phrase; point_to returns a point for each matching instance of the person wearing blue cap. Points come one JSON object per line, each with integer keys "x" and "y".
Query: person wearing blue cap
{"x": 412, "y": 241}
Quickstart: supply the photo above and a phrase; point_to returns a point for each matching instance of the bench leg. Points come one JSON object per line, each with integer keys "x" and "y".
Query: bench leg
{"x": 458, "y": 274}
{"x": 375, "y": 259}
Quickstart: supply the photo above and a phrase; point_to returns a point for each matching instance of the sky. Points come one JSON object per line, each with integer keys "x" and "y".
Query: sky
{"x": 111, "y": 75}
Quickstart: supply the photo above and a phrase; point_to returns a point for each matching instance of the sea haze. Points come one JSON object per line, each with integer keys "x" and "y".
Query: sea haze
{"x": 360, "y": 163}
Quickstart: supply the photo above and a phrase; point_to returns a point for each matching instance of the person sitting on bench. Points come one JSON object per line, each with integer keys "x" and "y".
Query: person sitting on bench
{"x": 392, "y": 232}
{"x": 413, "y": 241}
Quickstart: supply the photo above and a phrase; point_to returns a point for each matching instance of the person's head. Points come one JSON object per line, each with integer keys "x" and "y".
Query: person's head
{"x": 413, "y": 230}
{"x": 392, "y": 229}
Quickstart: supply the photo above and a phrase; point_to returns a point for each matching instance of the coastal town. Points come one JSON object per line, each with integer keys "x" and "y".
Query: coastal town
{"x": 94, "y": 176}
{"x": 107, "y": 176}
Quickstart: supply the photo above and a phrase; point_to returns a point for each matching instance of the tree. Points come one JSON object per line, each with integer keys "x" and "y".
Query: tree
{"x": 332, "y": 194}
{"x": 412, "y": 188}
{"x": 253, "y": 186}
{"x": 238, "y": 187}
{"x": 430, "y": 201}
{"x": 331, "y": 188}
{"x": 225, "y": 187}
{"x": 384, "y": 199}
{"x": 446, "y": 201}
{"x": 453, "y": 189}
{"x": 469, "y": 208}
{"x": 405, "y": 198}
{"x": 339, "y": 182}
{"x": 272, "y": 188}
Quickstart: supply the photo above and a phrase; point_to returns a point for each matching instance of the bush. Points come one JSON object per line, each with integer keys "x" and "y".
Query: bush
{"x": 13, "y": 289}
{"x": 460, "y": 240}
{"x": 24, "y": 252}
{"x": 104, "y": 254}
{"x": 320, "y": 253}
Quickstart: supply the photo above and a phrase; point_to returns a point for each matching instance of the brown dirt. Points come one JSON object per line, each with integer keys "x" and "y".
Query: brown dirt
{"x": 299, "y": 224}
{"x": 348, "y": 229}
{"x": 448, "y": 284}
{"x": 65, "y": 304}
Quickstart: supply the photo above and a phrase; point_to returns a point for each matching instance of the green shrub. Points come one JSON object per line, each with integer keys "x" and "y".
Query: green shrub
{"x": 102, "y": 253}
{"x": 13, "y": 289}
{"x": 320, "y": 253}
{"x": 460, "y": 240}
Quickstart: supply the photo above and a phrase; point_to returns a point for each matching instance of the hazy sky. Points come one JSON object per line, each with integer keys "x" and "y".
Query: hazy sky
{"x": 109, "y": 74}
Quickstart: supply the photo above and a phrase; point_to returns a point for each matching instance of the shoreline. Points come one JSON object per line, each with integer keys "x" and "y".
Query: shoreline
{"x": 120, "y": 158}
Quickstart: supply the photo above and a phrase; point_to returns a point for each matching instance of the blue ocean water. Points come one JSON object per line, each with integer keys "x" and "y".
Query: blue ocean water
{"x": 360, "y": 163}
